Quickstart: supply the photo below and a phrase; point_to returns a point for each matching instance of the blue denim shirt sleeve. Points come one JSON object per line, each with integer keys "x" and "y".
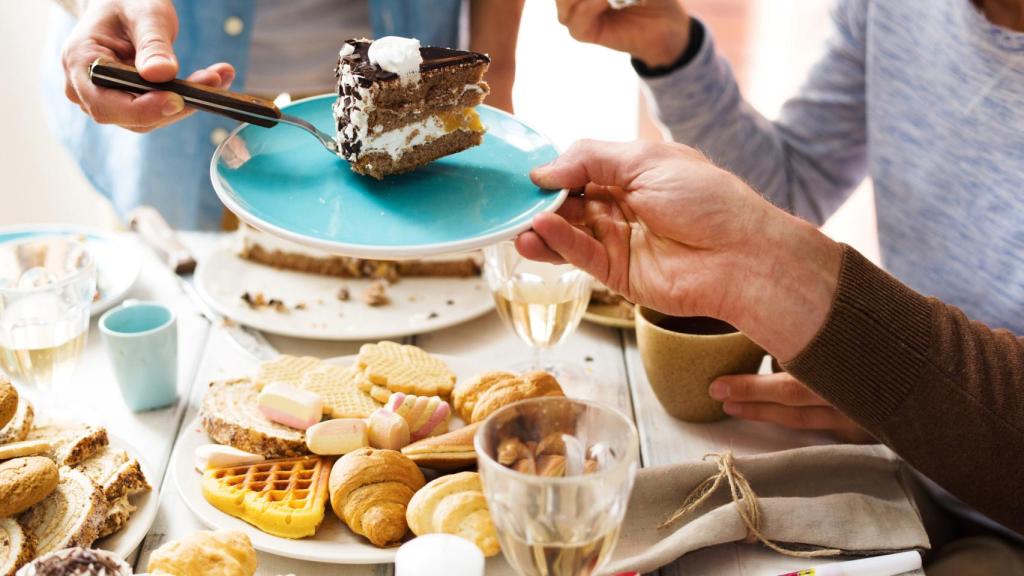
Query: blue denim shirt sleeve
{"x": 169, "y": 168}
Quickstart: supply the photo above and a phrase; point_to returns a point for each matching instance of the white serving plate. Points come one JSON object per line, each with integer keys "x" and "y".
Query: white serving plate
{"x": 147, "y": 504}
{"x": 418, "y": 305}
{"x": 333, "y": 541}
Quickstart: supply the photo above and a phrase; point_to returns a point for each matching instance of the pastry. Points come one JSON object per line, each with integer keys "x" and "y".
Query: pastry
{"x": 77, "y": 561}
{"x": 8, "y": 401}
{"x": 403, "y": 368}
{"x": 230, "y": 416}
{"x": 25, "y": 482}
{"x": 476, "y": 399}
{"x": 283, "y": 497}
{"x": 370, "y": 490}
{"x": 454, "y": 504}
{"x": 286, "y": 369}
{"x": 427, "y": 416}
{"x": 16, "y": 546}
{"x": 290, "y": 405}
{"x": 70, "y": 516}
{"x": 217, "y": 553}
{"x": 115, "y": 472}
{"x": 70, "y": 443}
{"x": 451, "y": 451}
{"x": 401, "y": 106}
{"x": 220, "y": 456}
{"x": 119, "y": 511}
{"x": 338, "y": 388}
{"x": 388, "y": 430}
{"x": 337, "y": 437}
{"x": 19, "y": 426}
{"x": 24, "y": 448}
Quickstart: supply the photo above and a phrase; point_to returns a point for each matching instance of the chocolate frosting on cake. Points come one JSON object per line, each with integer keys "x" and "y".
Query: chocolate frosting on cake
{"x": 433, "y": 58}
{"x": 76, "y": 562}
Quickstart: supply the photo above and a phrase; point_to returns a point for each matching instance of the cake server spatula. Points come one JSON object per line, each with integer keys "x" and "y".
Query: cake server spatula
{"x": 247, "y": 108}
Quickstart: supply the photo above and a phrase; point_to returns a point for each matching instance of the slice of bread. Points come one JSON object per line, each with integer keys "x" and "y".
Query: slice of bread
{"x": 70, "y": 516}
{"x": 19, "y": 426}
{"x": 230, "y": 416}
{"x": 16, "y": 546}
{"x": 71, "y": 443}
{"x": 116, "y": 473}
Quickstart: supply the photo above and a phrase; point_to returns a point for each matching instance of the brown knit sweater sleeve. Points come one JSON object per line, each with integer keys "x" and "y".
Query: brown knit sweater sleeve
{"x": 945, "y": 393}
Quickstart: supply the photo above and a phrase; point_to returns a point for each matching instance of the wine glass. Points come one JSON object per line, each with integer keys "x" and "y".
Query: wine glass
{"x": 560, "y": 515}
{"x": 47, "y": 286}
{"x": 542, "y": 303}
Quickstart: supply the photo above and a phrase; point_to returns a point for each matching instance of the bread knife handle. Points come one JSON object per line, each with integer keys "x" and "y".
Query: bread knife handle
{"x": 108, "y": 73}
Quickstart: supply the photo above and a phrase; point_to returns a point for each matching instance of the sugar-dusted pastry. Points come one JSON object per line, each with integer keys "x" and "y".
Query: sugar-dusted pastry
{"x": 219, "y": 456}
{"x": 426, "y": 415}
{"x": 205, "y": 553}
{"x": 337, "y": 437}
{"x": 476, "y": 399}
{"x": 454, "y": 504}
{"x": 451, "y": 451}
{"x": 290, "y": 405}
{"x": 404, "y": 368}
{"x": 8, "y": 401}
{"x": 25, "y": 482}
{"x": 77, "y": 561}
{"x": 370, "y": 490}
{"x": 285, "y": 368}
{"x": 337, "y": 386}
{"x": 388, "y": 430}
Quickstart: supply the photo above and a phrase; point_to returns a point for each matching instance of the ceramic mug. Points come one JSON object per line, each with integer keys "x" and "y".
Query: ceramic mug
{"x": 142, "y": 342}
{"x": 682, "y": 356}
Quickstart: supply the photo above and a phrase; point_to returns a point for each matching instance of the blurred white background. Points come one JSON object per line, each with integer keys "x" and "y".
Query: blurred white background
{"x": 565, "y": 89}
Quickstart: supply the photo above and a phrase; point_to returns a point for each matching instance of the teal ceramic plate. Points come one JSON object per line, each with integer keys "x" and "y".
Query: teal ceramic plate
{"x": 281, "y": 180}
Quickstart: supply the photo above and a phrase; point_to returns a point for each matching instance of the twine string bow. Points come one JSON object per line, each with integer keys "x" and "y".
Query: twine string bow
{"x": 746, "y": 504}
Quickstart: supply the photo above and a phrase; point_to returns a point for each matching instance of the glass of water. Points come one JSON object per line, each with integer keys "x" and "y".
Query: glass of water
{"x": 557, "y": 474}
{"x": 47, "y": 286}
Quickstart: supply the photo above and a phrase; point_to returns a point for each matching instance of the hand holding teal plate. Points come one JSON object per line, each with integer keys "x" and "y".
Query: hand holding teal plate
{"x": 283, "y": 182}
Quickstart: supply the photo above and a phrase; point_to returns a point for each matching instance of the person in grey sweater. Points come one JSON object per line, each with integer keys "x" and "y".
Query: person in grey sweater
{"x": 926, "y": 98}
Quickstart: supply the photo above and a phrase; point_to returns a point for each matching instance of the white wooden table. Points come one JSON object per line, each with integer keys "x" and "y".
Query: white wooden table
{"x": 611, "y": 356}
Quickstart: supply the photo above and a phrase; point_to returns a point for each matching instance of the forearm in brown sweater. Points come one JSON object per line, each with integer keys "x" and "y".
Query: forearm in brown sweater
{"x": 945, "y": 393}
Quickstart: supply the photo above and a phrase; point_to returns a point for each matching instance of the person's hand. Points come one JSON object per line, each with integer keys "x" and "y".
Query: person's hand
{"x": 667, "y": 229}
{"x": 655, "y": 32}
{"x": 138, "y": 32}
{"x": 781, "y": 399}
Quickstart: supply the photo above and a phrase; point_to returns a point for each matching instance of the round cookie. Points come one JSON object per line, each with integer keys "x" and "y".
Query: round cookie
{"x": 8, "y": 401}
{"x": 25, "y": 482}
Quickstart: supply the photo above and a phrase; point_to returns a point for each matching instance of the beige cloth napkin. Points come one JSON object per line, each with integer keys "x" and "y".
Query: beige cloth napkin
{"x": 853, "y": 498}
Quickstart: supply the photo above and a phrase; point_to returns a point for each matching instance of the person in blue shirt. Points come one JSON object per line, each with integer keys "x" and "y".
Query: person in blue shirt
{"x": 151, "y": 149}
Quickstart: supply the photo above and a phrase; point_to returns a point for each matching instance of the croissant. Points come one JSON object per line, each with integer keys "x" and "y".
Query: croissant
{"x": 370, "y": 490}
{"x": 454, "y": 504}
{"x": 476, "y": 399}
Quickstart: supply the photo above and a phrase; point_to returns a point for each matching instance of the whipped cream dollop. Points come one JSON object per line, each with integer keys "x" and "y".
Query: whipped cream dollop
{"x": 396, "y": 54}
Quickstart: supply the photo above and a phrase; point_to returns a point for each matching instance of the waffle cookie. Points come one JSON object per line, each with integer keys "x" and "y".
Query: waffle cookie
{"x": 230, "y": 416}
{"x": 406, "y": 369}
{"x": 285, "y": 497}
{"x": 337, "y": 386}
{"x": 284, "y": 368}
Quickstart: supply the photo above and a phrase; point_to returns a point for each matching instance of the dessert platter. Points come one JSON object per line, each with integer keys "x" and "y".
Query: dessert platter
{"x": 281, "y": 287}
{"x": 414, "y": 173}
{"x": 118, "y": 259}
{"x": 342, "y": 460}
{"x": 66, "y": 484}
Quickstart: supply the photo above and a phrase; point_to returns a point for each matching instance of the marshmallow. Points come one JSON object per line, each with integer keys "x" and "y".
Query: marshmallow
{"x": 388, "y": 430}
{"x": 290, "y": 406}
{"x": 426, "y": 415}
{"x": 396, "y": 54}
{"x": 218, "y": 456}
{"x": 337, "y": 437}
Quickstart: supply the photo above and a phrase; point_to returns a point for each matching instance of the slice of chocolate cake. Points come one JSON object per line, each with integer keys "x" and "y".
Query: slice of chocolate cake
{"x": 401, "y": 106}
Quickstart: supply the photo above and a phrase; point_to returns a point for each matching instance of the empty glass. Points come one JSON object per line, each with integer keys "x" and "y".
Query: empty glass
{"x": 47, "y": 288}
{"x": 557, "y": 474}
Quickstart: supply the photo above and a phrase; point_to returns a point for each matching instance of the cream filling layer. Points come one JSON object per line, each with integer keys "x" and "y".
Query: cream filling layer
{"x": 396, "y": 142}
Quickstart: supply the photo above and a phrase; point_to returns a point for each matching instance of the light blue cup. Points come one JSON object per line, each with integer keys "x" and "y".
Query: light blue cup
{"x": 142, "y": 342}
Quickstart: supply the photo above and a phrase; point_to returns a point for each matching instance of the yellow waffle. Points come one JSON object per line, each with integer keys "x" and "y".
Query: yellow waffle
{"x": 284, "y": 368}
{"x": 408, "y": 369}
{"x": 284, "y": 497}
{"x": 337, "y": 386}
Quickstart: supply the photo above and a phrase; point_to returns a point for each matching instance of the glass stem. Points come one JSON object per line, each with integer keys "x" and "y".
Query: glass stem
{"x": 539, "y": 358}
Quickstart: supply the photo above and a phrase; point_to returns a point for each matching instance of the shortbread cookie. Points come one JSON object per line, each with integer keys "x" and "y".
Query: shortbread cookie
{"x": 284, "y": 368}
{"x": 407, "y": 369}
{"x": 18, "y": 428}
{"x": 8, "y": 401}
{"x": 336, "y": 385}
{"x": 25, "y": 482}
{"x": 24, "y": 448}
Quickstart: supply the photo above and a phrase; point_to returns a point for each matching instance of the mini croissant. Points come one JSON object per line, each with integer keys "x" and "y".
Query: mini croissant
{"x": 370, "y": 490}
{"x": 476, "y": 399}
{"x": 455, "y": 504}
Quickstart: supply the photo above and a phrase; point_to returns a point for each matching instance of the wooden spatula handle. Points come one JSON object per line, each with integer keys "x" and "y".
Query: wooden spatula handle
{"x": 260, "y": 111}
